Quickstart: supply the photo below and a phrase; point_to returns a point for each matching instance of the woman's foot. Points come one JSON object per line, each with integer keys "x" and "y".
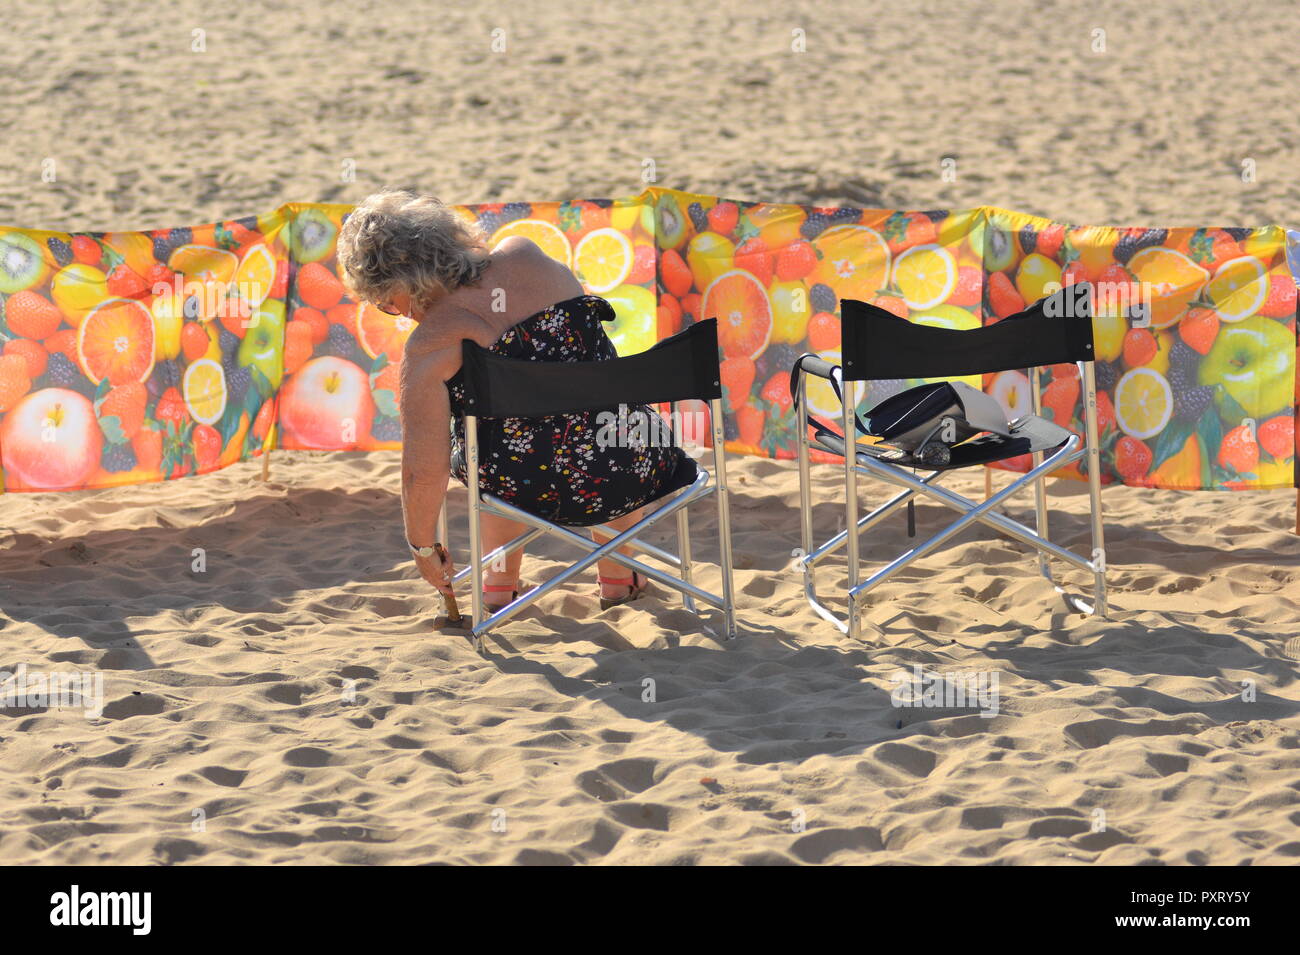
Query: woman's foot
{"x": 511, "y": 592}
{"x": 620, "y": 590}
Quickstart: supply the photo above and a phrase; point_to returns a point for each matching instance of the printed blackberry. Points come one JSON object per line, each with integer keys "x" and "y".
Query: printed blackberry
{"x": 1029, "y": 239}
{"x": 777, "y": 358}
{"x": 730, "y": 430}
{"x": 227, "y": 341}
{"x": 1183, "y": 362}
{"x": 936, "y": 215}
{"x": 249, "y": 223}
{"x": 61, "y": 250}
{"x": 341, "y": 344}
{"x": 601, "y": 203}
{"x": 119, "y": 457}
{"x": 1107, "y": 373}
{"x": 1152, "y": 237}
{"x": 62, "y": 372}
{"x": 846, "y": 214}
{"x": 168, "y": 241}
{"x": 1239, "y": 234}
{"x": 515, "y": 210}
{"x": 386, "y": 428}
{"x": 1125, "y": 248}
{"x": 1191, "y": 403}
{"x": 699, "y": 218}
{"x": 822, "y": 298}
{"x": 814, "y": 225}
{"x": 489, "y": 222}
{"x": 238, "y": 380}
{"x": 166, "y": 374}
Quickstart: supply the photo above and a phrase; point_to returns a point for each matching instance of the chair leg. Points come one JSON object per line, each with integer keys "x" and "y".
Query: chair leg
{"x": 1094, "y": 488}
{"x": 684, "y": 552}
{"x": 475, "y": 531}
{"x": 724, "y": 515}
{"x": 851, "y": 504}
{"x": 1040, "y": 486}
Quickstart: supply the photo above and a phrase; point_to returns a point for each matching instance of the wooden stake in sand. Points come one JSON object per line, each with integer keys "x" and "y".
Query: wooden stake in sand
{"x": 988, "y": 483}
{"x": 266, "y": 453}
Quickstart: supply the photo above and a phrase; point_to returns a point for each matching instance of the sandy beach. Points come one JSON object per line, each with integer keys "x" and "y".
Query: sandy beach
{"x": 288, "y": 702}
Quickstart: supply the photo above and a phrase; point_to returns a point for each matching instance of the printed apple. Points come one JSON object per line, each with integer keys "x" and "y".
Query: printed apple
{"x": 50, "y": 441}
{"x": 263, "y": 344}
{"x": 1254, "y": 361}
{"x": 326, "y": 406}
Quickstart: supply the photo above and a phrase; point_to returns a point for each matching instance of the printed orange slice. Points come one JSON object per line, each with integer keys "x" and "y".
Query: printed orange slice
{"x": 744, "y": 314}
{"x": 204, "y": 390}
{"x": 382, "y": 334}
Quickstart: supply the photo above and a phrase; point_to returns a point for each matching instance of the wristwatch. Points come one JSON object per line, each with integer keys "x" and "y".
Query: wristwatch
{"x": 423, "y": 551}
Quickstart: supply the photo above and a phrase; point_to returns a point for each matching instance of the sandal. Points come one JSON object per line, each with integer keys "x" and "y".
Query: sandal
{"x": 511, "y": 589}
{"x": 633, "y": 591}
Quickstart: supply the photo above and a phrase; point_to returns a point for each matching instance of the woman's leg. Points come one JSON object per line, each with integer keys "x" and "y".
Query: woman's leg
{"x": 498, "y": 530}
{"x": 612, "y": 569}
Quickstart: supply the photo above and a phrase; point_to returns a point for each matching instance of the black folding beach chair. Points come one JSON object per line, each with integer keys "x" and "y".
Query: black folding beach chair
{"x": 679, "y": 368}
{"x": 946, "y": 426}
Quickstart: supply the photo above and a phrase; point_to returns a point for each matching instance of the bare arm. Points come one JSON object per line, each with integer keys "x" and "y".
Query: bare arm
{"x": 426, "y": 451}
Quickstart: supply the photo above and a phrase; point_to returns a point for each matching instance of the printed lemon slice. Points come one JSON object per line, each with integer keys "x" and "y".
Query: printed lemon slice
{"x": 255, "y": 275}
{"x": 926, "y": 275}
{"x": 603, "y": 260}
{"x": 740, "y": 304}
{"x": 116, "y": 341}
{"x": 204, "y": 389}
{"x": 633, "y": 329}
{"x": 1170, "y": 279}
{"x": 854, "y": 261}
{"x": 822, "y": 400}
{"x": 380, "y": 333}
{"x": 203, "y": 263}
{"x": 1144, "y": 402}
{"x": 1238, "y": 289}
{"x": 549, "y": 237}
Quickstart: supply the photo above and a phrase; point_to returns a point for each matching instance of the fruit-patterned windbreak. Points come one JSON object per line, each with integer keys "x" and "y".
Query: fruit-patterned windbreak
{"x": 132, "y": 357}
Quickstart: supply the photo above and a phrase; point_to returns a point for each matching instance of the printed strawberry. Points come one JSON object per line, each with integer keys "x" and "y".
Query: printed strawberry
{"x": 194, "y": 341}
{"x": 1199, "y": 328}
{"x": 235, "y": 315}
{"x": 86, "y": 250}
{"x": 126, "y": 283}
{"x": 1060, "y": 397}
{"x": 1277, "y": 436}
{"x": 891, "y": 303}
{"x": 643, "y": 265}
{"x": 749, "y": 423}
{"x": 126, "y": 403}
{"x": 777, "y": 393}
{"x": 796, "y": 261}
{"x": 737, "y": 379}
{"x": 31, "y": 315}
{"x": 1120, "y": 281}
{"x": 64, "y": 342}
{"x": 754, "y": 257}
{"x": 1074, "y": 273}
{"x": 1050, "y": 240}
{"x": 969, "y": 287}
{"x": 1239, "y": 450}
{"x": 1210, "y": 248}
{"x": 1105, "y": 413}
{"x": 1281, "y": 297}
{"x": 14, "y": 381}
{"x": 902, "y": 230}
{"x": 157, "y": 276}
{"x": 1003, "y": 296}
{"x": 33, "y": 353}
{"x": 280, "y": 284}
{"x": 823, "y": 332}
{"x": 171, "y": 408}
{"x": 691, "y": 308}
{"x": 674, "y": 272}
{"x": 207, "y": 446}
{"x": 1140, "y": 347}
{"x": 318, "y": 286}
{"x": 297, "y": 345}
{"x": 320, "y": 325}
{"x": 1132, "y": 460}
{"x": 148, "y": 447}
{"x": 723, "y": 217}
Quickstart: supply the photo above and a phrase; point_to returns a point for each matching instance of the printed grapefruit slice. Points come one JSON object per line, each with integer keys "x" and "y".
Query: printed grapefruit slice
{"x": 926, "y": 275}
{"x": 740, "y": 304}
{"x": 204, "y": 390}
{"x": 383, "y": 334}
{"x": 603, "y": 260}
{"x": 549, "y": 237}
{"x": 854, "y": 261}
{"x": 116, "y": 341}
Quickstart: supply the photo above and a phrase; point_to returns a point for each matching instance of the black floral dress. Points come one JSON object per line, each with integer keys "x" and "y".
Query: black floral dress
{"x": 565, "y": 468}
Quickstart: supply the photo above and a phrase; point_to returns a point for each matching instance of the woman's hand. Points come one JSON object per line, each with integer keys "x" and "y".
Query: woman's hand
{"x": 437, "y": 571}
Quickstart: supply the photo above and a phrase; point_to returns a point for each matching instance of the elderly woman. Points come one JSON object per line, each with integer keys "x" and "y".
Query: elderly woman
{"x": 410, "y": 255}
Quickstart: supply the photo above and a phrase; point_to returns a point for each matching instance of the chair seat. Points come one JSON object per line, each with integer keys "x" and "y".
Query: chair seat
{"x": 1028, "y": 434}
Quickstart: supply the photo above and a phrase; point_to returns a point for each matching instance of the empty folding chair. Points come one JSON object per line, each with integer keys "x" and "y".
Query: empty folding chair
{"x": 679, "y": 368}
{"x": 934, "y": 428}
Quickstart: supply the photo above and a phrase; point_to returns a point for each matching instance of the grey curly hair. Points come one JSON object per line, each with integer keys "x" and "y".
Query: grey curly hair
{"x": 398, "y": 241}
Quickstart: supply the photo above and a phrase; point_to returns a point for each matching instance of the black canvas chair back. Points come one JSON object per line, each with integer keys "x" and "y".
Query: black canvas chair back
{"x": 682, "y": 367}
{"x": 679, "y": 368}
{"x": 876, "y": 344}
